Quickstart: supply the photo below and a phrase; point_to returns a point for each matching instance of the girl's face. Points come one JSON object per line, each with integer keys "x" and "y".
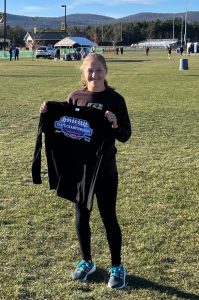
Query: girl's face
{"x": 94, "y": 74}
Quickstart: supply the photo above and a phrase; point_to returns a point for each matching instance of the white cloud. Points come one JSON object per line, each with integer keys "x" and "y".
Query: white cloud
{"x": 112, "y": 2}
{"x": 133, "y": 1}
{"x": 73, "y": 4}
{"x": 33, "y": 8}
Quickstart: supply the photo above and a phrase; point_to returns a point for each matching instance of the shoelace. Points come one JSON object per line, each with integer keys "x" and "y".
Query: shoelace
{"x": 84, "y": 266}
{"x": 117, "y": 271}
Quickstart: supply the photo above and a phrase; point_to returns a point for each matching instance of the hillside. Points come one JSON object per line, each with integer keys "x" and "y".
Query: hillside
{"x": 55, "y": 22}
{"x": 192, "y": 16}
{"x": 92, "y": 19}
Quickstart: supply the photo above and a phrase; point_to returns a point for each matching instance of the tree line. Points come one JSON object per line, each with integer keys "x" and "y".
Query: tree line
{"x": 121, "y": 33}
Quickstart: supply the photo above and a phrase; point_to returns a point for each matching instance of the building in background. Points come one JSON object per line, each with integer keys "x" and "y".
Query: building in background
{"x": 49, "y": 39}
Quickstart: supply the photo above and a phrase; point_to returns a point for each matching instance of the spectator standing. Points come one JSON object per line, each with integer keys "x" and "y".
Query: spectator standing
{"x": 16, "y": 53}
{"x": 58, "y": 53}
{"x": 181, "y": 50}
{"x": 147, "y": 51}
{"x": 10, "y": 51}
{"x": 169, "y": 52}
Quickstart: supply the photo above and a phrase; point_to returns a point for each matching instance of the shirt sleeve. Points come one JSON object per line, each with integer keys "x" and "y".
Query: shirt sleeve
{"x": 36, "y": 164}
{"x": 123, "y": 131}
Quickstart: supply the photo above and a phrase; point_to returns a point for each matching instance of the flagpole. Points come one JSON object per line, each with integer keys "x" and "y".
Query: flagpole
{"x": 185, "y": 26}
{"x": 173, "y": 27}
{"x": 182, "y": 31}
{"x": 4, "y": 31}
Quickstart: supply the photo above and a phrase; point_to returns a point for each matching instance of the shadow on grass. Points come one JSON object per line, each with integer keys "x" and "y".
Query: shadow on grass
{"x": 135, "y": 283}
{"x": 126, "y": 60}
{"x": 190, "y": 75}
{"x": 52, "y": 75}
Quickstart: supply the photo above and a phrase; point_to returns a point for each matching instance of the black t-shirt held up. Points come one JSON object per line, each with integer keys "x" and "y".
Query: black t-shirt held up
{"x": 74, "y": 140}
{"x": 79, "y": 141}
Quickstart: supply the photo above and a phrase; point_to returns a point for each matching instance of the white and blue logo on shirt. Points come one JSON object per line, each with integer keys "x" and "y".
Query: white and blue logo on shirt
{"x": 74, "y": 128}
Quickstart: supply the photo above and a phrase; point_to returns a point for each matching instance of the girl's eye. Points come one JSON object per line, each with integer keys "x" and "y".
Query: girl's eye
{"x": 91, "y": 71}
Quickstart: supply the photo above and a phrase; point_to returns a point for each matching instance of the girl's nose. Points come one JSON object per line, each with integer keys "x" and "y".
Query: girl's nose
{"x": 93, "y": 74}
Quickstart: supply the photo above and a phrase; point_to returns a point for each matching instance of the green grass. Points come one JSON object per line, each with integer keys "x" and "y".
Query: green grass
{"x": 158, "y": 191}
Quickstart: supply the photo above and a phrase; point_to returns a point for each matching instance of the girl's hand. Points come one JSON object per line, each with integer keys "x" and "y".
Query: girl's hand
{"x": 111, "y": 118}
{"x": 43, "y": 108}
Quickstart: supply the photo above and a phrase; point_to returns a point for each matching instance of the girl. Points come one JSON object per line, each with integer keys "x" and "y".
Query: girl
{"x": 96, "y": 91}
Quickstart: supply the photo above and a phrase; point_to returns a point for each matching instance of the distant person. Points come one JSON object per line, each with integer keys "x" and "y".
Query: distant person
{"x": 181, "y": 50}
{"x": 190, "y": 49}
{"x": 58, "y": 53}
{"x": 83, "y": 53}
{"x": 147, "y": 51}
{"x": 16, "y": 53}
{"x": 117, "y": 50}
{"x": 10, "y": 52}
{"x": 121, "y": 50}
{"x": 76, "y": 55}
{"x": 169, "y": 52}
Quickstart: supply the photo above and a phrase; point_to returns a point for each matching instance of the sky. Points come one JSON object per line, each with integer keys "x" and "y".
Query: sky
{"x": 110, "y": 8}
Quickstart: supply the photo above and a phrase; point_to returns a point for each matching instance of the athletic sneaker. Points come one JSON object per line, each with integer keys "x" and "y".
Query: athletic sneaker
{"x": 117, "y": 277}
{"x": 83, "y": 269}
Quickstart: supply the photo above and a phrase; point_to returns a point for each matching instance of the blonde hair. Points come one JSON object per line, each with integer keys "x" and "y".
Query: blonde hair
{"x": 102, "y": 60}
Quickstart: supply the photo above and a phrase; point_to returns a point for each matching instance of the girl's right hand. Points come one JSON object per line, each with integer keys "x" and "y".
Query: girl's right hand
{"x": 43, "y": 108}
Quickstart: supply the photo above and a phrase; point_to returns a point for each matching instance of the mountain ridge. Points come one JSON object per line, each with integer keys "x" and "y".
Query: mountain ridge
{"x": 80, "y": 19}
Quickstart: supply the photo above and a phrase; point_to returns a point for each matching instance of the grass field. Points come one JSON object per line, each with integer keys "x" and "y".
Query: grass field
{"x": 158, "y": 191}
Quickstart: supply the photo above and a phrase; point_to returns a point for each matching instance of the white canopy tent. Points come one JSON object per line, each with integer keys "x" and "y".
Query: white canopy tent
{"x": 75, "y": 42}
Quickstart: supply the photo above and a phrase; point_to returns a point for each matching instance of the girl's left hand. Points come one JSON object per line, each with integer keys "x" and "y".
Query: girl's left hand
{"x": 111, "y": 118}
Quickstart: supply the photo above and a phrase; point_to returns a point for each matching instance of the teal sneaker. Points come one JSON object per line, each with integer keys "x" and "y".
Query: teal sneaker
{"x": 83, "y": 269}
{"x": 117, "y": 277}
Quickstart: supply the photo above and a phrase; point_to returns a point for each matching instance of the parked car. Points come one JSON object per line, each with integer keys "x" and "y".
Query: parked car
{"x": 46, "y": 52}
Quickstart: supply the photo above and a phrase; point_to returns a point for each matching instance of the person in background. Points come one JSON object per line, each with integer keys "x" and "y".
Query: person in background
{"x": 82, "y": 52}
{"x": 16, "y": 53}
{"x": 95, "y": 89}
{"x": 58, "y": 53}
{"x": 181, "y": 50}
{"x": 169, "y": 52}
{"x": 10, "y": 52}
{"x": 189, "y": 50}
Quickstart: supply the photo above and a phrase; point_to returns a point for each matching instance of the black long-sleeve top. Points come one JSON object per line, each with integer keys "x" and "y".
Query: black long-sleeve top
{"x": 114, "y": 102}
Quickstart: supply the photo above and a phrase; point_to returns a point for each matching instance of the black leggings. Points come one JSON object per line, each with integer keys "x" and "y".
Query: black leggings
{"x": 106, "y": 194}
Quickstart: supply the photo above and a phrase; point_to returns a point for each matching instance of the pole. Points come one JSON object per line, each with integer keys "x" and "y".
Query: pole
{"x": 173, "y": 27}
{"x": 121, "y": 38}
{"x": 65, "y": 18}
{"x": 64, "y": 5}
{"x": 185, "y": 27}
{"x": 182, "y": 31}
{"x": 4, "y": 31}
